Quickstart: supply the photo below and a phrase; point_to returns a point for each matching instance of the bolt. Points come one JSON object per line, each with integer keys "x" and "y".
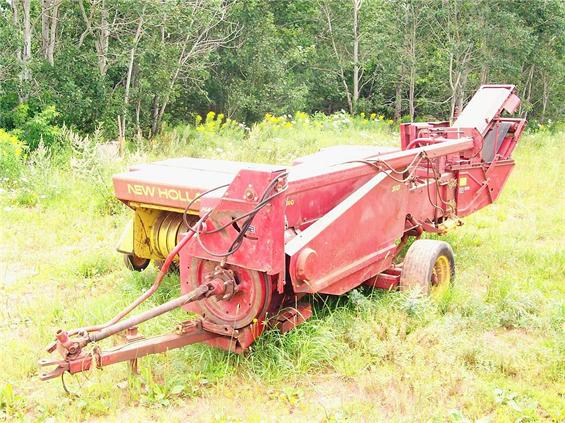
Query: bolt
{"x": 249, "y": 195}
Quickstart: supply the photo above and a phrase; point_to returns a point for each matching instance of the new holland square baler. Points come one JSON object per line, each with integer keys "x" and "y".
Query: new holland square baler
{"x": 252, "y": 240}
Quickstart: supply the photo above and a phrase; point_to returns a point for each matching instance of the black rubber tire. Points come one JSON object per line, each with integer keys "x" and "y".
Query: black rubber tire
{"x": 135, "y": 263}
{"x": 419, "y": 262}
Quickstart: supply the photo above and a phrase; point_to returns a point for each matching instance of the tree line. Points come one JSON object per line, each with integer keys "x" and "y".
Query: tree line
{"x": 134, "y": 65}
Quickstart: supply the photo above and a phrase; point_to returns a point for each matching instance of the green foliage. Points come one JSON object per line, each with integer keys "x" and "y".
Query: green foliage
{"x": 37, "y": 128}
{"x": 11, "y": 158}
{"x": 269, "y": 82}
{"x": 36, "y": 182}
{"x": 274, "y": 138}
{"x": 492, "y": 346}
{"x": 94, "y": 266}
{"x": 10, "y": 402}
{"x": 416, "y": 60}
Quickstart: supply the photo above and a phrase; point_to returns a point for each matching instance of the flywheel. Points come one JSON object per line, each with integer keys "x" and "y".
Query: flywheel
{"x": 250, "y": 298}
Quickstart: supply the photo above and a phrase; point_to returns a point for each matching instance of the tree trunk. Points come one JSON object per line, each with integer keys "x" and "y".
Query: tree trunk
{"x": 484, "y": 74}
{"x": 174, "y": 77}
{"x": 398, "y": 100}
{"x": 198, "y": 43}
{"x": 528, "y": 89}
{"x": 25, "y": 75}
{"x": 154, "y": 116}
{"x": 545, "y": 98}
{"x": 461, "y": 95}
{"x": 458, "y": 74}
{"x": 49, "y": 22}
{"x": 412, "y": 50}
{"x": 411, "y": 90}
{"x": 138, "y": 133}
{"x": 53, "y": 32}
{"x": 15, "y": 21}
{"x": 356, "y": 66}
{"x": 121, "y": 138}
{"x": 45, "y": 5}
{"x": 341, "y": 72}
{"x": 101, "y": 35}
{"x": 102, "y": 42}
{"x": 454, "y": 84}
{"x": 137, "y": 37}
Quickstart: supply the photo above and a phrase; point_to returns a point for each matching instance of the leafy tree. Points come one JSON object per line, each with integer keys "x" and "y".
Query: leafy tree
{"x": 133, "y": 65}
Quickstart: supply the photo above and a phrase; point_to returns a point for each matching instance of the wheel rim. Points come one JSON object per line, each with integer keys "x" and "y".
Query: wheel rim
{"x": 441, "y": 276}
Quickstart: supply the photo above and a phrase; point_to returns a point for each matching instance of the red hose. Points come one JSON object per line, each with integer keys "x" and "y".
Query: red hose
{"x": 160, "y": 276}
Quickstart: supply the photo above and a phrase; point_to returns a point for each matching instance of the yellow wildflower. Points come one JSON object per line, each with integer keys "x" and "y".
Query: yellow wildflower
{"x": 301, "y": 116}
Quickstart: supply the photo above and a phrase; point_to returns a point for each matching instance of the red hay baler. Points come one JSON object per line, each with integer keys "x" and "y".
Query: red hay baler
{"x": 252, "y": 240}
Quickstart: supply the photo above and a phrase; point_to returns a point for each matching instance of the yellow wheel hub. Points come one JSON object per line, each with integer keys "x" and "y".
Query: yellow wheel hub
{"x": 441, "y": 276}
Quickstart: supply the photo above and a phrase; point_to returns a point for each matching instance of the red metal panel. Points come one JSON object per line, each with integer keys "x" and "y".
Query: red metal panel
{"x": 512, "y": 103}
{"x": 312, "y": 192}
{"x": 263, "y": 246}
{"x": 304, "y": 177}
{"x": 351, "y": 242}
{"x": 175, "y": 182}
{"x": 386, "y": 280}
{"x": 419, "y": 205}
{"x": 305, "y": 207}
{"x": 479, "y": 186}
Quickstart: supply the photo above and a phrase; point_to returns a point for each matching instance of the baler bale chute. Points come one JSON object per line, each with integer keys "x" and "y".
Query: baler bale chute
{"x": 252, "y": 240}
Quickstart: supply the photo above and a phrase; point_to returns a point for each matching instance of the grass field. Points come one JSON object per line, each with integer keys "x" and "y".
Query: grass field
{"x": 492, "y": 349}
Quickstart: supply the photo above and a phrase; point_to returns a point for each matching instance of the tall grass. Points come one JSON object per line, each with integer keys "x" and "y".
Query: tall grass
{"x": 493, "y": 347}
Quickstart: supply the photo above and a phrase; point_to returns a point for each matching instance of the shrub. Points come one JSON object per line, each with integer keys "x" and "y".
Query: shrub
{"x": 37, "y": 128}
{"x": 35, "y": 179}
{"x": 85, "y": 160}
{"x": 11, "y": 158}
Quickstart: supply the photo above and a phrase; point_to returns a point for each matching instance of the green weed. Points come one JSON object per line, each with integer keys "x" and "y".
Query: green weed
{"x": 491, "y": 348}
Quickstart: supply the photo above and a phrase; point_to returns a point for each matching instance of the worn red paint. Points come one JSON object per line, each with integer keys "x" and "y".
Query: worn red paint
{"x": 335, "y": 225}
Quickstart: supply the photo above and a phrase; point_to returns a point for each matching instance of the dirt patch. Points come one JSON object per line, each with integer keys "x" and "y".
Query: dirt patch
{"x": 12, "y": 271}
{"x": 323, "y": 398}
